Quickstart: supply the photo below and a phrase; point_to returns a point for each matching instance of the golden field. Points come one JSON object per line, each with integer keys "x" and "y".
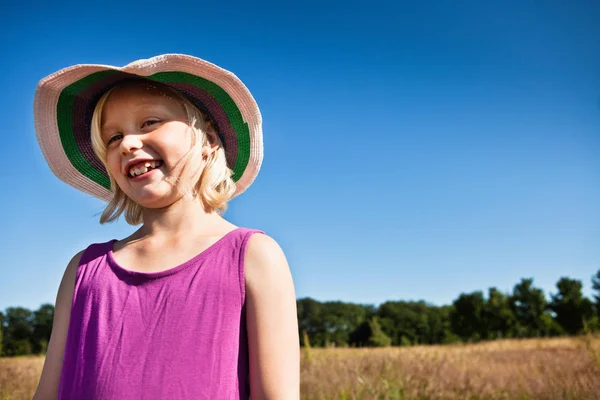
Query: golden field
{"x": 561, "y": 368}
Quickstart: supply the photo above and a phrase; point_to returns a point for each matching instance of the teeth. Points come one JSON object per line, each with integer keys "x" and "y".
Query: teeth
{"x": 143, "y": 169}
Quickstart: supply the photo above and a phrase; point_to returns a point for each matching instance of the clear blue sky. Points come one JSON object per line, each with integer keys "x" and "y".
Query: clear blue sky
{"x": 412, "y": 151}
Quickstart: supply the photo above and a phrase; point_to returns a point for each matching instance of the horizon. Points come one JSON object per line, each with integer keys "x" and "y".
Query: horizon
{"x": 547, "y": 296}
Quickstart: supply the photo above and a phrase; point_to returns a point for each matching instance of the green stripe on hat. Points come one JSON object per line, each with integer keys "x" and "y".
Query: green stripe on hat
{"x": 64, "y": 117}
{"x": 231, "y": 109}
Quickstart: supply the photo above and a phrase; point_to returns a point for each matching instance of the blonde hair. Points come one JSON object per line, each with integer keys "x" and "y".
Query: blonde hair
{"x": 214, "y": 185}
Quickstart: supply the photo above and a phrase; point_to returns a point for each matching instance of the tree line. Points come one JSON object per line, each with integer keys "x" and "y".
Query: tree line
{"x": 475, "y": 316}
{"x": 523, "y": 313}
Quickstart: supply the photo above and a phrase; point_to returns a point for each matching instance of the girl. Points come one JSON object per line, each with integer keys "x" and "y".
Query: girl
{"x": 189, "y": 306}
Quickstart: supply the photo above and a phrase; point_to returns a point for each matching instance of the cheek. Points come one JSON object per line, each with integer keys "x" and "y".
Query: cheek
{"x": 175, "y": 145}
{"x": 113, "y": 164}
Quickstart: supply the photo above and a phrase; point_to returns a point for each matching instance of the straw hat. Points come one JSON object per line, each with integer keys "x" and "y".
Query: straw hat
{"x": 65, "y": 101}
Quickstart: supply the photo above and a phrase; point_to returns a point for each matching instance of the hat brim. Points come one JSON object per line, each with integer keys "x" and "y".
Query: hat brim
{"x": 65, "y": 101}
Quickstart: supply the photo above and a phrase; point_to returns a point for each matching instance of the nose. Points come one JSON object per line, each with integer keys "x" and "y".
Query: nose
{"x": 130, "y": 143}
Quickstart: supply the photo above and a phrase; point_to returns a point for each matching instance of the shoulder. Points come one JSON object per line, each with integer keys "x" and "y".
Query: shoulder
{"x": 70, "y": 273}
{"x": 264, "y": 259}
{"x": 263, "y": 248}
{"x": 86, "y": 255}
{"x": 74, "y": 263}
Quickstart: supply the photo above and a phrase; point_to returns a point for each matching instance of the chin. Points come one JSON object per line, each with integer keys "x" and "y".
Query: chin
{"x": 153, "y": 200}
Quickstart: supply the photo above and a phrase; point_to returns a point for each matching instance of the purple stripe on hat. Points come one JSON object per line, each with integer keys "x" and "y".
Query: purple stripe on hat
{"x": 83, "y": 109}
{"x": 219, "y": 117}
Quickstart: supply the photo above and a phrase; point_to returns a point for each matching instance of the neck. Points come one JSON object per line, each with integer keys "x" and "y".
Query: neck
{"x": 184, "y": 218}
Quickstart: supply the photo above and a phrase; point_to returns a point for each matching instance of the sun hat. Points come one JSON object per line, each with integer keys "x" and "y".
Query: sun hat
{"x": 65, "y": 101}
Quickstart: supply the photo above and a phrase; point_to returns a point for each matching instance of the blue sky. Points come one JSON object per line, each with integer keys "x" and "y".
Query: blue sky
{"x": 412, "y": 151}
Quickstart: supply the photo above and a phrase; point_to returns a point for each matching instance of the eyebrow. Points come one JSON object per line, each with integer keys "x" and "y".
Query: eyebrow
{"x": 105, "y": 127}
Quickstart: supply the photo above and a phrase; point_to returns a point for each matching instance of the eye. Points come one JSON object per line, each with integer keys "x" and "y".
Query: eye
{"x": 114, "y": 138}
{"x": 150, "y": 122}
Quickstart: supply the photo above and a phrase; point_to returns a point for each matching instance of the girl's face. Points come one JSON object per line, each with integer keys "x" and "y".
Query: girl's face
{"x": 146, "y": 133}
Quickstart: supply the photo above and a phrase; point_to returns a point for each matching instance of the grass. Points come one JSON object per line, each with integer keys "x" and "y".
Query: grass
{"x": 561, "y": 368}
{"x": 565, "y": 368}
{"x": 19, "y": 377}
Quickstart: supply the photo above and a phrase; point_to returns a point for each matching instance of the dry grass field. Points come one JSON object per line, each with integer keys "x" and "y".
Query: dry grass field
{"x": 19, "y": 377}
{"x": 508, "y": 369}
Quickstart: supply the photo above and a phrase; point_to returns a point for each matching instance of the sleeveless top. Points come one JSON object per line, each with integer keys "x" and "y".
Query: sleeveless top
{"x": 176, "y": 334}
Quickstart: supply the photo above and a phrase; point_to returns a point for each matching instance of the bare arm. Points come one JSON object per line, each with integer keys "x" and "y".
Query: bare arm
{"x": 48, "y": 385}
{"x": 272, "y": 322}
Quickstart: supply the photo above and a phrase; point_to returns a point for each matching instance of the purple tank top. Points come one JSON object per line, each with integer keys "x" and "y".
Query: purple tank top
{"x": 175, "y": 334}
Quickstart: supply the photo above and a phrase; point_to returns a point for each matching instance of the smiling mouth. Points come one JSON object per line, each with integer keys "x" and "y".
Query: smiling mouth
{"x": 143, "y": 168}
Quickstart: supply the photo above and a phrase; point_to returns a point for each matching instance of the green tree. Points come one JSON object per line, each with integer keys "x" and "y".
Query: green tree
{"x": 440, "y": 328}
{"x": 341, "y": 319}
{"x": 549, "y": 326}
{"x": 390, "y": 318}
{"x": 42, "y": 328}
{"x": 529, "y": 305}
{"x": 415, "y": 321}
{"x": 359, "y": 337}
{"x": 1, "y": 331}
{"x": 378, "y": 338}
{"x": 596, "y": 288}
{"x": 467, "y": 316}
{"x": 499, "y": 319}
{"x": 570, "y": 306}
{"x": 310, "y": 320}
{"x": 21, "y": 347}
{"x": 429, "y": 322}
{"x": 18, "y": 332}
{"x": 330, "y": 322}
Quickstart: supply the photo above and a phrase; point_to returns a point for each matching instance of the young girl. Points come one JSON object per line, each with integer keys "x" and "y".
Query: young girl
{"x": 189, "y": 306}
